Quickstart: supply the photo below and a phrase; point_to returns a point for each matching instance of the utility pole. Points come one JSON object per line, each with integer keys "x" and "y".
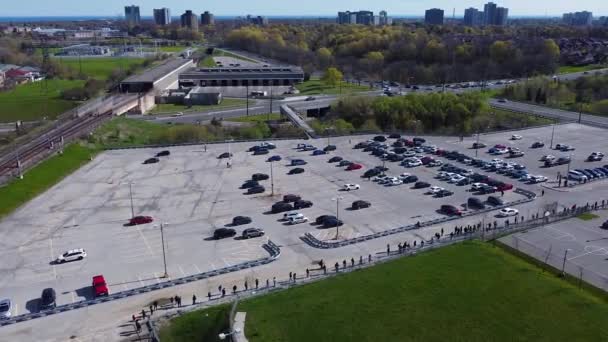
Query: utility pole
{"x": 271, "y": 179}
{"x": 247, "y": 96}
{"x": 552, "y": 134}
{"x": 162, "y": 239}
{"x": 564, "y": 263}
{"x": 337, "y": 199}
{"x": 270, "y": 111}
{"x": 131, "y": 196}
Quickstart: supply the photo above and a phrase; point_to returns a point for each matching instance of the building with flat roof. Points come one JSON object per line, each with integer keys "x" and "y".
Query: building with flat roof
{"x": 433, "y": 16}
{"x": 494, "y": 15}
{"x": 162, "y": 16}
{"x": 364, "y": 18}
{"x": 583, "y": 18}
{"x": 241, "y": 76}
{"x": 207, "y": 19}
{"x": 189, "y": 20}
{"x": 158, "y": 78}
{"x": 132, "y": 15}
{"x": 473, "y": 17}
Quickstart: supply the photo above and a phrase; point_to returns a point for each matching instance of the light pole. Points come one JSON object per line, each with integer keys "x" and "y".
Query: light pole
{"x": 131, "y": 197}
{"x": 564, "y": 263}
{"x": 271, "y": 179}
{"x": 569, "y": 162}
{"x": 477, "y": 145}
{"x": 337, "y": 199}
{"x": 552, "y": 135}
{"x": 270, "y": 111}
{"x": 162, "y": 240}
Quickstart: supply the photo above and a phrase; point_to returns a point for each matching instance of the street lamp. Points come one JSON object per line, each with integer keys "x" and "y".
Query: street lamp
{"x": 552, "y": 134}
{"x": 131, "y": 197}
{"x": 271, "y": 179}
{"x": 162, "y": 241}
{"x": 337, "y": 199}
{"x": 223, "y": 336}
{"x": 564, "y": 263}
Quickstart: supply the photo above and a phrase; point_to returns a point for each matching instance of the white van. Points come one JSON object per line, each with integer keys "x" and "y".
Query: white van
{"x": 576, "y": 176}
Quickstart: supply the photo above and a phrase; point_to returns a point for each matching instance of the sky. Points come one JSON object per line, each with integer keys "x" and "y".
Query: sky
{"x": 289, "y": 7}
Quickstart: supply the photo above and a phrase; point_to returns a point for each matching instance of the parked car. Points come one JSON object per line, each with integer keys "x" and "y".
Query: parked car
{"x": 100, "y": 287}
{"x": 301, "y": 204}
{"x": 538, "y": 144}
{"x": 240, "y": 220}
{"x": 137, "y": 220}
{"x": 433, "y": 190}
{"x": 222, "y": 233}
{"x": 256, "y": 190}
{"x": 297, "y": 219}
{"x": 252, "y": 233}
{"x": 360, "y": 204}
{"x": 151, "y": 161}
{"x": 345, "y": 163}
{"x": 421, "y": 185}
{"x": 478, "y": 145}
{"x": 296, "y": 171}
{"x": 329, "y": 148}
{"x": 475, "y": 203}
{"x": 163, "y": 153}
{"x": 516, "y": 137}
{"x": 249, "y": 184}
{"x": 332, "y": 222}
{"x": 450, "y": 210}
{"x": 353, "y": 167}
{"x": 322, "y": 218}
{"x": 349, "y": 187}
{"x": 260, "y": 152}
{"x": 5, "y": 308}
{"x": 444, "y": 193}
{"x": 604, "y": 225}
{"x": 394, "y": 136}
{"x": 281, "y": 207}
{"x": 335, "y": 159}
{"x": 487, "y": 189}
{"x": 506, "y": 212}
{"x": 224, "y": 155}
{"x": 493, "y": 200}
{"x": 380, "y": 138}
{"x": 291, "y": 198}
{"x": 71, "y": 255}
{"x": 274, "y": 158}
{"x": 298, "y": 162}
{"x": 318, "y": 152}
{"x": 410, "y": 179}
{"x": 48, "y": 299}
{"x": 259, "y": 177}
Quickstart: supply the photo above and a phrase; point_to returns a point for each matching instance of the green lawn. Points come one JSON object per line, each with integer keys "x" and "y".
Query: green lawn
{"x": 198, "y": 326}
{"x": 468, "y": 292}
{"x": 208, "y": 61}
{"x": 256, "y": 118}
{"x": 32, "y": 101}
{"x": 172, "y": 108}
{"x": 122, "y": 132}
{"x": 587, "y": 216}
{"x": 178, "y": 48}
{"x": 566, "y": 69}
{"x": 99, "y": 67}
{"x": 42, "y": 177}
{"x": 316, "y": 86}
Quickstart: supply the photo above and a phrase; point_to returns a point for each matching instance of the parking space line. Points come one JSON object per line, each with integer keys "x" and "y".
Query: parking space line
{"x": 198, "y": 270}
{"x": 73, "y": 296}
{"x": 141, "y": 283}
{"x": 212, "y": 266}
{"x": 145, "y": 241}
{"x": 181, "y": 270}
{"x": 226, "y": 262}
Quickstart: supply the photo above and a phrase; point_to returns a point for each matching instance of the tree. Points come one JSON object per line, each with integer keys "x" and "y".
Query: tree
{"x": 332, "y": 77}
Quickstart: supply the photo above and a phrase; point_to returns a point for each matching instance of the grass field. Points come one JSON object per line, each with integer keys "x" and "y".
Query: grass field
{"x": 566, "y": 69}
{"x": 316, "y": 86}
{"x": 178, "y": 48}
{"x": 256, "y": 118}
{"x": 32, "y": 101}
{"x": 122, "y": 132}
{"x": 100, "y": 68}
{"x": 172, "y": 108}
{"x": 42, "y": 177}
{"x": 198, "y": 326}
{"x": 208, "y": 61}
{"x": 587, "y": 216}
{"x": 466, "y": 292}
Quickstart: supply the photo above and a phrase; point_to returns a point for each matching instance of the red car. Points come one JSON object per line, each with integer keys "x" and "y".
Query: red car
{"x": 500, "y": 146}
{"x": 440, "y": 152}
{"x": 100, "y": 287}
{"x": 504, "y": 187}
{"x": 353, "y": 167}
{"x": 134, "y": 221}
{"x": 426, "y": 160}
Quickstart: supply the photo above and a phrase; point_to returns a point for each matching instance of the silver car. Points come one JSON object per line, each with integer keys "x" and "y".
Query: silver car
{"x": 5, "y": 308}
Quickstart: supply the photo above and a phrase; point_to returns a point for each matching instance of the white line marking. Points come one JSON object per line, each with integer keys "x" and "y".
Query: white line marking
{"x": 196, "y": 268}
{"x": 140, "y": 282}
{"x": 145, "y": 241}
{"x": 181, "y": 270}
{"x": 226, "y": 262}
{"x": 73, "y": 296}
{"x": 16, "y": 309}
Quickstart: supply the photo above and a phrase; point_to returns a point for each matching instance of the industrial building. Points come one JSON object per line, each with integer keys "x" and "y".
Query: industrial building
{"x": 241, "y": 76}
{"x": 159, "y": 78}
{"x": 196, "y": 96}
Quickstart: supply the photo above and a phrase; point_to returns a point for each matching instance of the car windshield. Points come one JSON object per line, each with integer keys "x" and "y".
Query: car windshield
{"x": 4, "y": 307}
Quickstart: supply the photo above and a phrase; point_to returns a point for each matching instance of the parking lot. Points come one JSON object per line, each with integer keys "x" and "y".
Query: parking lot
{"x": 192, "y": 193}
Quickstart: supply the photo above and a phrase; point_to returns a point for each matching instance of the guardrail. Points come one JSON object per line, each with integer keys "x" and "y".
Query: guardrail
{"x": 314, "y": 242}
{"x": 273, "y": 250}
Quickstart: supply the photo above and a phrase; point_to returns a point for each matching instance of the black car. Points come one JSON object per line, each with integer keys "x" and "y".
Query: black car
{"x": 256, "y": 190}
{"x": 151, "y": 161}
{"x": 274, "y": 158}
{"x": 297, "y": 162}
{"x": 371, "y": 173}
{"x": 444, "y": 193}
{"x": 332, "y": 222}
{"x": 321, "y": 219}
{"x": 163, "y": 153}
{"x": 493, "y": 200}
{"x": 421, "y": 185}
{"x": 419, "y": 140}
{"x": 329, "y": 148}
{"x": 410, "y": 179}
{"x": 344, "y": 163}
{"x": 604, "y": 225}
{"x": 335, "y": 159}
{"x": 296, "y": 171}
{"x": 360, "y": 204}
{"x": 479, "y": 145}
{"x": 260, "y": 152}
{"x": 240, "y": 220}
{"x": 381, "y": 168}
{"x": 361, "y": 145}
{"x": 259, "y": 176}
{"x": 487, "y": 189}
{"x": 394, "y": 136}
{"x": 291, "y": 198}
{"x": 252, "y": 232}
{"x": 400, "y": 150}
{"x": 47, "y": 299}
{"x": 380, "y": 138}
{"x": 475, "y": 203}
{"x": 281, "y": 207}
{"x": 301, "y": 204}
{"x": 249, "y": 184}
{"x": 222, "y": 233}
{"x": 224, "y": 155}
{"x": 462, "y": 182}
{"x": 538, "y": 144}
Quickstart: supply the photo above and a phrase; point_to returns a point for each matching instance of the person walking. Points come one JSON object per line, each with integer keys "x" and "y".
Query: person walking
{"x": 294, "y": 277}
{"x": 542, "y": 192}
{"x": 257, "y": 283}
{"x": 219, "y": 288}
{"x": 369, "y": 258}
{"x": 155, "y": 305}
{"x": 223, "y": 292}
{"x": 290, "y": 276}
{"x": 343, "y": 263}
{"x": 307, "y": 273}
{"x": 143, "y": 313}
{"x": 337, "y": 266}
{"x": 246, "y": 285}
{"x": 193, "y": 299}
{"x": 352, "y": 262}
{"x": 267, "y": 283}
{"x": 209, "y": 295}
{"x": 274, "y": 281}
{"x": 151, "y": 309}
{"x": 137, "y": 326}
{"x": 171, "y": 300}
{"x": 234, "y": 289}
{"x": 133, "y": 317}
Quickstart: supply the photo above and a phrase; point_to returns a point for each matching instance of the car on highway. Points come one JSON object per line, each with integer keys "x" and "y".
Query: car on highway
{"x": 47, "y": 299}
{"x": 178, "y": 114}
{"x": 274, "y": 158}
{"x": 252, "y": 233}
{"x": 100, "y": 287}
{"x": 297, "y": 219}
{"x": 256, "y": 190}
{"x": 506, "y": 212}
{"x": 71, "y": 255}
{"x": 137, "y": 220}
{"x": 241, "y": 220}
{"x": 353, "y": 167}
{"x": 310, "y": 98}
{"x": 360, "y": 204}
{"x": 291, "y": 198}
{"x": 224, "y": 155}
{"x": 222, "y": 233}
{"x": 163, "y": 153}
{"x": 349, "y": 187}
{"x": 259, "y": 177}
{"x": 5, "y": 308}
{"x": 335, "y": 159}
{"x": 151, "y": 160}
{"x": 450, "y": 210}
{"x": 295, "y": 171}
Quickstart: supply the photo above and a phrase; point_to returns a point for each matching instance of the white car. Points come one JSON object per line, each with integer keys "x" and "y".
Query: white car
{"x": 516, "y": 137}
{"x": 72, "y": 255}
{"x": 413, "y": 163}
{"x": 547, "y": 157}
{"x": 504, "y": 151}
{"x": 395, "y": 181}
{"x": 293, "y": 214}
{"x": 297, "y": 219}
{"x": 379, "y": 178}
{"x": 349, "y": 187}
{"x": 456, "y": 179}
{"x": 447, "y": 176}
{"x": 477, "y": 186}
{"x": 5, "y": 308}
{"x": 539, "y": 179}
{"x": 267, "y": 145}
{"x": 404, "y": 176}
{"x": 178, "y": 114}
{"x": 506, "y": 212}
{"x": 434, "y": 189}
{"x": 467, "y": 173}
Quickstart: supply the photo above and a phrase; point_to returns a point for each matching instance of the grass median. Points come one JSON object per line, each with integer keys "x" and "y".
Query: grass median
{"x": 42, "y": 177}
{"x": 466, "y": 292}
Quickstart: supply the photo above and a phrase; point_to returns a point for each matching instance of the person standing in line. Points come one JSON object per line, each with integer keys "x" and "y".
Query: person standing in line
{"x": 193, "y": 299}
{"x": 274, "y": 281}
